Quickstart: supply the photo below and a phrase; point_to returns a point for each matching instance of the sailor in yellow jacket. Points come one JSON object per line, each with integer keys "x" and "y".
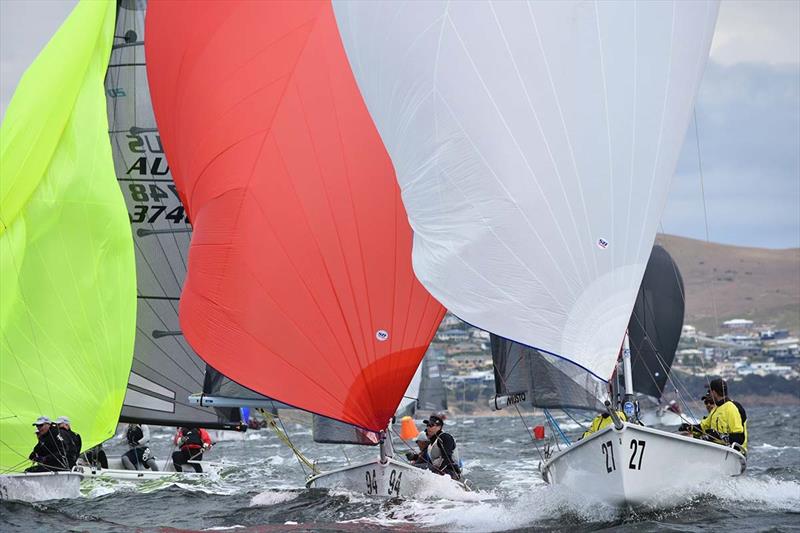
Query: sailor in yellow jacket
{"x": 727, "y": 420}
{"x": 602, "y": 420}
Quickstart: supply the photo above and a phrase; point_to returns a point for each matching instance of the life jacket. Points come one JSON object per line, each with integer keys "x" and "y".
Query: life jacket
{"x": 729, "y": 418}
{"x": 193, "y": 440}
{"x": 438, "y": 456}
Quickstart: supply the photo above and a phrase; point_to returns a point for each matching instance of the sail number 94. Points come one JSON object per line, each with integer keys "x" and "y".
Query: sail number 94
{"x": 394, "y": 482}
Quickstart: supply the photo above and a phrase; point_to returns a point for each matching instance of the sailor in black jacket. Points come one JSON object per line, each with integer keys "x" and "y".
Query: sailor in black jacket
{"x": 49, "y": 454}
{"x": 442, "y": 448}
{"x": 72, "y": 440}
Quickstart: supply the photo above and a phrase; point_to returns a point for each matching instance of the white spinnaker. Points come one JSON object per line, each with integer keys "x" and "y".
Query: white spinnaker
{"x": 534, "y": 144}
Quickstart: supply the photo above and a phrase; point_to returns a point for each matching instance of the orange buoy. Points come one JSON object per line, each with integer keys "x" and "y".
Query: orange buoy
{"x": 408, "y": 429}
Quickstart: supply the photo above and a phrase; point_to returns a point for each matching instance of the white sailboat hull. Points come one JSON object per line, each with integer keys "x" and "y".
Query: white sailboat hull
{"x": 116, "y": 471}
{"x": 637, "y": 466}
{"x": 391, "y": 479}
{"x": 37, "y": 487}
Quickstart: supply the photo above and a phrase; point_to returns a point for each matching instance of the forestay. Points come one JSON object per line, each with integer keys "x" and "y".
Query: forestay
{"x": 534, "y": 143}
{"x": 656, "y": 323}
{"x": 165, "y": 368}
{"x": 67, "y": 280}
{"x": 300, "y": 284}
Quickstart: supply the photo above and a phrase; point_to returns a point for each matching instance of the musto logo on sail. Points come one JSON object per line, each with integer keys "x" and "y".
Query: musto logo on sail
{"x": 602, "y": 243}
{"x": 382, "y": 335}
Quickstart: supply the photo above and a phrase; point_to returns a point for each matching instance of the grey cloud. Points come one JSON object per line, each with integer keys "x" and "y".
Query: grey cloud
{"x": 749, "y": 124}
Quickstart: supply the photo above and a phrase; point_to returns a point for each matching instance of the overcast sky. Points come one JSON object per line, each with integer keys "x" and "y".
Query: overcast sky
{"x": 748, "y": 119}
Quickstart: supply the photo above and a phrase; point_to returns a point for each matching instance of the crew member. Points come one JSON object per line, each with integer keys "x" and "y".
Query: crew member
{"x": 139, "y": 456}
{"x": 601, "y": 421}
{"x": 192, "y": 442}
{"x": 420, "y": 459}
{"x": 728, "y": 420}
{"x": 72, "y": 440}
{"x": 442, "y": 449}
{"x": 96, "y": 456}
{"x": 49, "y": 454}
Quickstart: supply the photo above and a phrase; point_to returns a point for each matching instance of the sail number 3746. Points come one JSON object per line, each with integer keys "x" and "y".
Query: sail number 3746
{"x": 637, "y": 454}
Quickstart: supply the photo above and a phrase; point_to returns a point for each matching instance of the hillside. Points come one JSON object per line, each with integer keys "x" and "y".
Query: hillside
{"x": 755, "y": 283}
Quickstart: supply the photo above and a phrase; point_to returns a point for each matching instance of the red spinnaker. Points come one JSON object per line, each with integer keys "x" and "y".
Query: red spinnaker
{"x": 300, "y": 283}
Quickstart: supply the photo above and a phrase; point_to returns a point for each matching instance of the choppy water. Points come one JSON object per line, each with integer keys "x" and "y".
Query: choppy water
{"x": 262, "y": 491}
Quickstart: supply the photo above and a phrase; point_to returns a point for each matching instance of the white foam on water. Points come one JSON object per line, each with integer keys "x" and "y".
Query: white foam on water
{"x": 222, "y": 528}
{"x": 770, "y": 493}
{"x": 99, "y": 490}
{"x": 271, "y": 497}
{"x": 483, "y": 514}
{"x": 767, "y": 446}
{"x": 276, "y": 460}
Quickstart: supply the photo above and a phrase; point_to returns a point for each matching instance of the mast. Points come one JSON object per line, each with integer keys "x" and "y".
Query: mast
{"x": 628, "y": 400}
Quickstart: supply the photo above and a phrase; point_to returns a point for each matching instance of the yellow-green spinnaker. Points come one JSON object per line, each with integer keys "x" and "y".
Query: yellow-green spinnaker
{"x": 67, "y": 269}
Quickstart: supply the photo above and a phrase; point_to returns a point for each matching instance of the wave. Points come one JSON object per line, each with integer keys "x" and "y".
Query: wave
{"x": 272, "y": 497}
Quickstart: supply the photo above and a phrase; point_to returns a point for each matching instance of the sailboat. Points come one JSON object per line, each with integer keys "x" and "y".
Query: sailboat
{"x": 534, "y": 144}
{"x": 67, "y": 312}
{"x": 654, "y": 331}
{"x": 300, "y": 285}
{"x": 165, "y": 369}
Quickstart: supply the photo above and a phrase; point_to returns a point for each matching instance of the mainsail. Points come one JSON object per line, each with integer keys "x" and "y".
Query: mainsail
{"x": 67, "y": 280}
{"x": 432, "y": 394}
{"x": 165, "y": 368}
{"x": 529, "y": 376}
{"x": 656, "y": 323}
{"x": 521, "y": 134}
{"x": 300, "y": 284}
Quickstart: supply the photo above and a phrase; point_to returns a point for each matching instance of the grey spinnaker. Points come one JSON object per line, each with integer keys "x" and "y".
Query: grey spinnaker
{"x": 656, "y": 323}
{"x": 165, "y": 368}
{"x": 544, "y": 380}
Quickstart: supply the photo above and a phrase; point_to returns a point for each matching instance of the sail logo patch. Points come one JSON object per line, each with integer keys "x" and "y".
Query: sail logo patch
{"x": 382, "y": 335}
{"x": 602, "y": 243}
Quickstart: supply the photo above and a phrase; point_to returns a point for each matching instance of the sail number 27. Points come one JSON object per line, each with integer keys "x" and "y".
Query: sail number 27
{"x": 637, "y": 449}
{"x": 637, "y": 454}
{"x": 608, "y": 453}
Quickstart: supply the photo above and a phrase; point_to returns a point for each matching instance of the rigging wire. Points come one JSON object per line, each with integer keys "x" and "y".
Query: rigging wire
{"x": 705, "y": 220}
{"x": 302, "y": 460}
{"x": 552, "y": 421}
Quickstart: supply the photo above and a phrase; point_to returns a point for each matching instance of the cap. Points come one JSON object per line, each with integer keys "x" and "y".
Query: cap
{"x": 42, "y": 420}
{"x": 422, "y": 437}
{"x": 62, "y": 420}
{"x": 433, "y": 420}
